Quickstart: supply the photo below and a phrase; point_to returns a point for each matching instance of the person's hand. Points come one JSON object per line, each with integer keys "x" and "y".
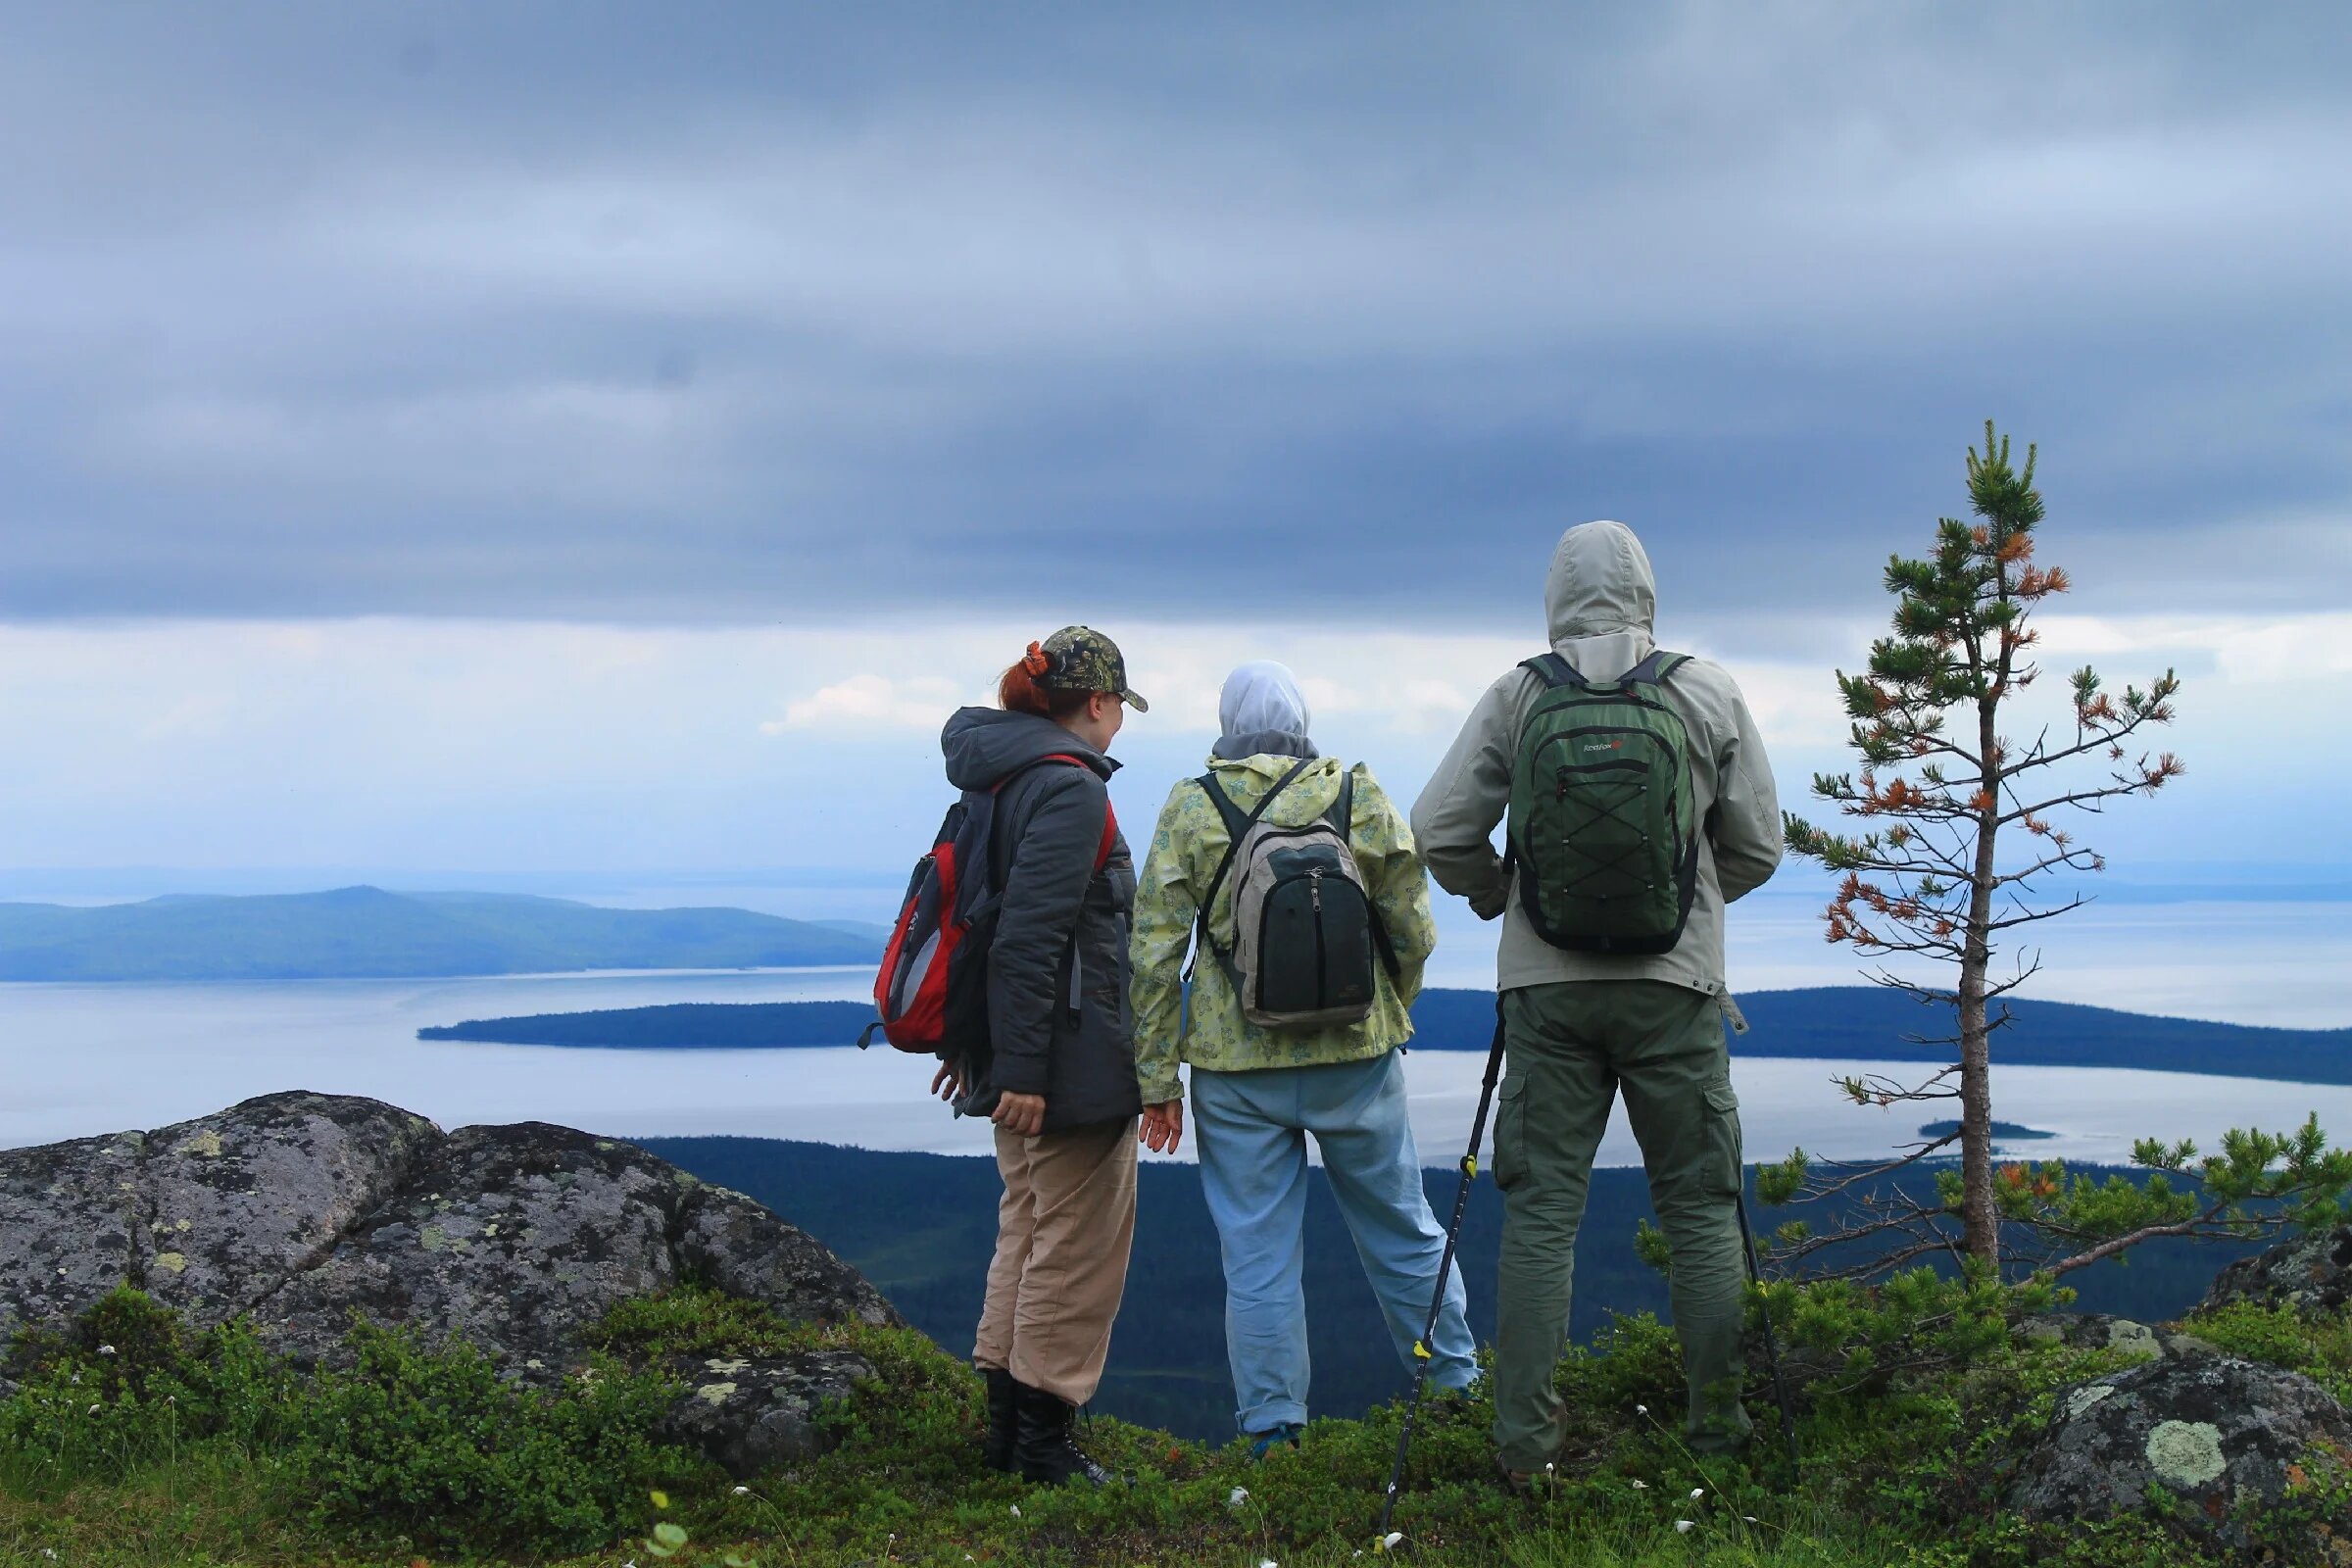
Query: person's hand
{"x": 1022, "y": 1115}
{"x": 949, "y": 1083}
{"x": 1163, "y": 1128}
{"x": 1495, "y": 896}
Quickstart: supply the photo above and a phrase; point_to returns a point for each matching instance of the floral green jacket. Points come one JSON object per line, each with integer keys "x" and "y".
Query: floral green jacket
{"x": 1186, "y": 846}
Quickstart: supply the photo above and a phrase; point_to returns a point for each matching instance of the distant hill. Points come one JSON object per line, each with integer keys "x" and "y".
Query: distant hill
{"x": 1874, "y": 1023}
{"x": 675, "y": 1026}
{"x": 1840, "y": 1022}
{"x": 367, "y": 933}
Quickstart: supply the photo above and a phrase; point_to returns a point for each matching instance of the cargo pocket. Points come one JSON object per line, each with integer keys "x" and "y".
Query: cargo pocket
{"x": 1510, "y": 1130}
{"x": 1724, "y": 1173}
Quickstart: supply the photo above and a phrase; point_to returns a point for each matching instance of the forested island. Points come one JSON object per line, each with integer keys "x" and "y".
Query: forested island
{"x": 366, "y": 933}
{"x": 1833, "y": 1022}
{"x": 2008, "y": 1130}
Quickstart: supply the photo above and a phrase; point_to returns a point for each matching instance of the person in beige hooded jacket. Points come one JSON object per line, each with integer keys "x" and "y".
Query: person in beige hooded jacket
{"x": 1580, "y": 1027}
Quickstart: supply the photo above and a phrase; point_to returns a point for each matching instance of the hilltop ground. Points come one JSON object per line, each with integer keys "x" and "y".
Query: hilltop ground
{"x": 598, "y": 1359}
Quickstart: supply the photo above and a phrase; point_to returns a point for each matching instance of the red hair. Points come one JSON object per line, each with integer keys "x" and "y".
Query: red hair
{"x": 1018, "y": 692}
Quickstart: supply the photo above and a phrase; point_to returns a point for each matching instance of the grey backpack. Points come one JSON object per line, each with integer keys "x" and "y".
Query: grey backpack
{"x": 1304, "y": 930}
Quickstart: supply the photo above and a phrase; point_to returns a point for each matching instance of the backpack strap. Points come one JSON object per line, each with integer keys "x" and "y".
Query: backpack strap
{"x": 1653, "y": 671}
{"x": 1237, "y": 827}
{"x": 1555, "y": 670}
{"x": 1110, "y": 815}
{"x": 1111, "y": 839}
{"x": 1558, "y": 672}
{"x": 1341, "y": 816}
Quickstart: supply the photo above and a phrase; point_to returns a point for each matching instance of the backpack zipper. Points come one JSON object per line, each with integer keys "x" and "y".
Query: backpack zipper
{"x": 1315, "y": 901}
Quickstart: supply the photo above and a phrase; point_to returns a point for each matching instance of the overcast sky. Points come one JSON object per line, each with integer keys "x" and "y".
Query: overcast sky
{"x": 573, "y": 435}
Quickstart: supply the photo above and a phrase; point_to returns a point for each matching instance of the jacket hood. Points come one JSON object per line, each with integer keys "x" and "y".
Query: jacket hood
{"x": 1599, "y": 584}
{"x": 1271, "y": 765}
{"x": 1262, "y": 697}
{"x": 983, "y": 744}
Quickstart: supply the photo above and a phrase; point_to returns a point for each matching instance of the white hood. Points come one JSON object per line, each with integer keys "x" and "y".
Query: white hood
{"x": 1262, "y": 698}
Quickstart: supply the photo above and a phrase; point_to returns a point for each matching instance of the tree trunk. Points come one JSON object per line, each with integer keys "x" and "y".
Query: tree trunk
{"x": 1979, "y": 1213}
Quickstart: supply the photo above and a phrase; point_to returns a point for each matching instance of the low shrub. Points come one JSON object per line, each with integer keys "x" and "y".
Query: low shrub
{"x": 433, "y": 1446}
{"x": 125, "y": 1386}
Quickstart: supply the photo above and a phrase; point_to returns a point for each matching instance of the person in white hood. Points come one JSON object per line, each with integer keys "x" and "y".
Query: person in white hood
{"x": 1257, "y": 1093}
{"x": 1582, "y": 1026}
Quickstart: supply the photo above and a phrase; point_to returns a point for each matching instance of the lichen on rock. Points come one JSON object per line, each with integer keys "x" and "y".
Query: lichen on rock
{"x": 2186, "y": 1454}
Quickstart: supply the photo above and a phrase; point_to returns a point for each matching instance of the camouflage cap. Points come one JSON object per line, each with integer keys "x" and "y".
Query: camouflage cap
{"x": 1086, "y": 661}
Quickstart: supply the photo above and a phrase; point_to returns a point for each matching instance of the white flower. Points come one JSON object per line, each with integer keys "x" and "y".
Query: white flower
{"x": 1393, "y": 1537}
{"x": 1238, "y": 1497}
{"x": 106, "y": 1350}
{"x": 93, "y": 1409}
{"x": 1698, "y": 1493}
{"x": 1268, "y": 1563}
{"x": 1640, "y": 1409}
{"x": 1641, "y": 1485}
{"x": 743, "y": 1492}
{"x": 1017, "y": 1511}
{"x": 1681, "y": 1527}
{"x": 1752, "y": 1518}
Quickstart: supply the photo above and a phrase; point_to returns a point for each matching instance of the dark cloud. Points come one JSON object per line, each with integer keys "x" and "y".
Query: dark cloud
{"x": 752, "y": 312}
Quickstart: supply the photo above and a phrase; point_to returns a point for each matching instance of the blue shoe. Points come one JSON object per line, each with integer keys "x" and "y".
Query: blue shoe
{"x": 1263, "y": 1443}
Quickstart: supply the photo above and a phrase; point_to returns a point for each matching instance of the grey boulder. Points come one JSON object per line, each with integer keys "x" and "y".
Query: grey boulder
{"x": 302, "y": 1210}
{"x": 2229, "y": 1441}
{"x": 2311, "y": 1272}
{"x": 748, "y": 1415}
{"x": 2100, "y": 1330}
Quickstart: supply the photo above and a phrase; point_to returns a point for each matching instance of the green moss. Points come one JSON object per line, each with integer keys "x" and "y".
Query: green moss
{"x": 1904, "y": 1461}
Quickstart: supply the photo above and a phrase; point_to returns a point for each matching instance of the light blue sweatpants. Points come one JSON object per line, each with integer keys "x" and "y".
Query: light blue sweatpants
{"x": 1250, "y": 1129}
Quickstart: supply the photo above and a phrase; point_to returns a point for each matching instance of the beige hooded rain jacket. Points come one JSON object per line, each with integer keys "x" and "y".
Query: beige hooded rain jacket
{"x": 1600, "y": 601}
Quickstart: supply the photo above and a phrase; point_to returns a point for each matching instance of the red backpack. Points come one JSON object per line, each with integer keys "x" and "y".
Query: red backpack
{"x": 932, "y": 989}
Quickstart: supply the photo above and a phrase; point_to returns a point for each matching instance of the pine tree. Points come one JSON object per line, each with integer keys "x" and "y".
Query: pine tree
{"x": 1958, "y": 838}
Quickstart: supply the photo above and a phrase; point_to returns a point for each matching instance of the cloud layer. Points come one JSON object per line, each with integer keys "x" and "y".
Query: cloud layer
{"x": 407, "y": 746}
{"x": 744, "y": 313}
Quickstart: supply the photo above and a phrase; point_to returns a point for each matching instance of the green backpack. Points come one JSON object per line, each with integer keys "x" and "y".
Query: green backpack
{"x": 1603, "y": 828}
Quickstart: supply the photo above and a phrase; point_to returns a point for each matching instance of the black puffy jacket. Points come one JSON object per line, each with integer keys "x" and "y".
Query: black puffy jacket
{"x": 1058, "y": 1018}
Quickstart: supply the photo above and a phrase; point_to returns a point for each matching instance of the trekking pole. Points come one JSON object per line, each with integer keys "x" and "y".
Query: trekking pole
{"x": 1772, "y": 1346}
{"x": 1422, "y": 1355}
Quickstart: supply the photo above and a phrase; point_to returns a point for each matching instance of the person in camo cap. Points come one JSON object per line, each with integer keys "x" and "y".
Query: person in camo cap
{"x": 1257, "y": 1092}
{"x": 1059, "y": 1082}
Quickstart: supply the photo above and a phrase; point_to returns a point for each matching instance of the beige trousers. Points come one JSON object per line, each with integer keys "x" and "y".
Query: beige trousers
{"x": 1064, "y": 1232}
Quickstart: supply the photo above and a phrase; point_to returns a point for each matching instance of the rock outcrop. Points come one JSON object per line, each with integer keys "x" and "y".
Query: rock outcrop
{"x": 2311, "y": 1273}
{"x": 2228, "y": 1441}
{"x": 751, "y": 1414}
{"x": 299, "y": 1209}
{"x": 2099, "y": 1331}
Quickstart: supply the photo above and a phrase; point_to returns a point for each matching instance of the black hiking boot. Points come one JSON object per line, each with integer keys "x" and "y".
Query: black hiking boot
{"x": 1048, "y": 1447}
{"x": 998, "y": 1445}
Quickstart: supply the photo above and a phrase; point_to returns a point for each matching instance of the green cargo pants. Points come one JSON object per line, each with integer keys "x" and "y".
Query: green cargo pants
{"x": 1570, "y": 1048}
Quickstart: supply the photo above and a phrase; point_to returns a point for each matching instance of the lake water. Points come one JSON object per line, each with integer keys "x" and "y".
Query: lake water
{"x": 86, "y": 1059}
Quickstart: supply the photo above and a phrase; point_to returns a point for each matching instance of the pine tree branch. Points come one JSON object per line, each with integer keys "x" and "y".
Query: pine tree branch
{"x": 2032, "y": 917}
{"x": 2093, "y": 739}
